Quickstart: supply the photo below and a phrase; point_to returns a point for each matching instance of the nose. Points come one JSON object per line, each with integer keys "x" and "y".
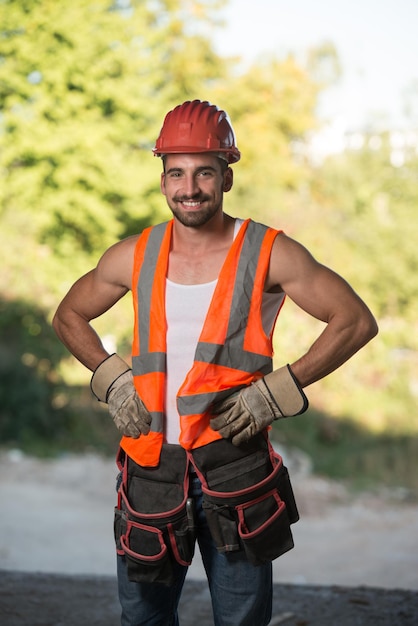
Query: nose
{"x": 191, "y": 187}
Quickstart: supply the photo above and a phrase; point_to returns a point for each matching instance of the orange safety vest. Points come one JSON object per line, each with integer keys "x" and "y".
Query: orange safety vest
{"x": 233, "y": 349}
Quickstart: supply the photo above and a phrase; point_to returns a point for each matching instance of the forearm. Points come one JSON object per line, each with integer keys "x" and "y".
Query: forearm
{"x": 80, "y": 339}
{"x": 336, "y": 344}
{"x": 88, "y": 299}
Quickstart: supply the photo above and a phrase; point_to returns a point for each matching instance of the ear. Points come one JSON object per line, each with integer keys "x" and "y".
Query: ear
{"x": 228, "y": 179}
{"x": 162, "y": 183}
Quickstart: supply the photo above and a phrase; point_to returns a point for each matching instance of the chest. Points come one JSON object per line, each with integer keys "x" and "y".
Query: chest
{"x": 195, "y": 269}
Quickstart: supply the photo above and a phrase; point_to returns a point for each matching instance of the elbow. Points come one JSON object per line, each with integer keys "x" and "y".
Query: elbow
{"x": 368, "y": 327}
{"x": 55, "y": 323}
{"x": 374, "y": 329}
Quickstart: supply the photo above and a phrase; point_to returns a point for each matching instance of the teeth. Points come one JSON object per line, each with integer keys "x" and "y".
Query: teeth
{"x": 191, "y": 204}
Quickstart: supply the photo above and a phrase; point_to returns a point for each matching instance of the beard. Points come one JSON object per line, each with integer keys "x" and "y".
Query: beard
{"x": 197, "y": 217}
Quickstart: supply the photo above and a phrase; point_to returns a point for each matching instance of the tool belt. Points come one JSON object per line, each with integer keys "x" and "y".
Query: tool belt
{"x": 153, "y": 519}
{"x": 247, "y": 497}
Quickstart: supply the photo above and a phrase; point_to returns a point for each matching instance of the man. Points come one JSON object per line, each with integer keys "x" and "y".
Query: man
{"x": 195, "y": 409}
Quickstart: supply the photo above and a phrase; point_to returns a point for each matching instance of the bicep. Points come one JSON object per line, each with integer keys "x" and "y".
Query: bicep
{"x": 91, "y": 296}
{"x": 98, "y": 290}
{"x": 314, "y": 287}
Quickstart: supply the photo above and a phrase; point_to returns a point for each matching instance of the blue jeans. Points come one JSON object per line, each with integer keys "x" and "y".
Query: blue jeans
{"x": 241, "y": 593}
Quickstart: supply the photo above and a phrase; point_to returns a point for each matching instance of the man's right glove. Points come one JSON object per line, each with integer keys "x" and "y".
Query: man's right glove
{"x": 112, "y": 383}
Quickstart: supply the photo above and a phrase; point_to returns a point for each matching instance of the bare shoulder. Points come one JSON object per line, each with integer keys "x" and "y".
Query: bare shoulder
{"x": 116, "y": 264}
{"x": 122, "y": 249}
{"x": 289, "y": 261}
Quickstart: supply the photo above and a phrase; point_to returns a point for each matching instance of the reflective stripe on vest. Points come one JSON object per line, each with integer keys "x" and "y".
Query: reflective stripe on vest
{"x": 232, "y": 351}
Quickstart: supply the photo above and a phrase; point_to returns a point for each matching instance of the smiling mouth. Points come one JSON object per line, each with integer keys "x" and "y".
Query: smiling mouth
{"x": 191, "y": 204}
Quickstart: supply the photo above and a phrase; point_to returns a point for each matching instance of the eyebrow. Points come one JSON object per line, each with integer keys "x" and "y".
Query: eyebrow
{"x": 196, "y": 171}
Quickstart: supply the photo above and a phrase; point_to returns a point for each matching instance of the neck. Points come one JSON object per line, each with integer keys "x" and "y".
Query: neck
{"x": 215, "y": 233}
{"x": 197, "y": 254}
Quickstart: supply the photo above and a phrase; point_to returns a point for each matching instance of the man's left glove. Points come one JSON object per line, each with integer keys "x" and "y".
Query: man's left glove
{"x": 113, "y": 384}
{"x": 246, "y": 413}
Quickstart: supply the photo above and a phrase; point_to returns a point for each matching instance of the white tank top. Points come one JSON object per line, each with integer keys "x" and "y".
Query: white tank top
{"x": 186, "y": 308}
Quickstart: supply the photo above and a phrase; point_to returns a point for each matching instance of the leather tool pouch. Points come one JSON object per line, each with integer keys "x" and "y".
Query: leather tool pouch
{"x": 153, "y": 529}
{"x": 247, "y": 497}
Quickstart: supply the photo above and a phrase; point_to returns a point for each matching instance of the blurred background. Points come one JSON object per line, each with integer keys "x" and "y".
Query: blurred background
{"x": 324, "y": 101}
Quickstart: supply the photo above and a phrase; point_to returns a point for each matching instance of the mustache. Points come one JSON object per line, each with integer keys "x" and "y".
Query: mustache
{"x": 198, "y": 197}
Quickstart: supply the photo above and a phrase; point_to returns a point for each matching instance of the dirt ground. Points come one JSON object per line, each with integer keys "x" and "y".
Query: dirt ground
{"x": 53, "y": 600}
{"x": 355, "y": 562}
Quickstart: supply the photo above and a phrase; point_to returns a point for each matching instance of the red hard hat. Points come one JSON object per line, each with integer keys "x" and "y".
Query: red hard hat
{"x": 197, "y": 126}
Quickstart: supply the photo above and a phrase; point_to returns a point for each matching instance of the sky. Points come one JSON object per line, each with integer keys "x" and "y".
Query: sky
{"x": 376, "y": 40}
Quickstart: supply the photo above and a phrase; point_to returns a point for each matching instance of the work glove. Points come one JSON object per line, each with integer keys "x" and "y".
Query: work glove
{"x": 112, "y": 383}
{"x": 246, "y": 413}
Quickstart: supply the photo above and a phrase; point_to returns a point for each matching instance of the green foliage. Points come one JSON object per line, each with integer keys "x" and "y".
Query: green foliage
{"x": 28, "y": 380}
{"x": 370, "y": 203}
{"x": 39, "y": 413}
{"x": 272, "y": 117}
{"x": 347, "y": 451}
{"x": 360, "y": 219}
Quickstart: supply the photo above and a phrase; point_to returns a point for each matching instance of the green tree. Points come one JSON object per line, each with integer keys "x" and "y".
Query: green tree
{"x": 28, "y": 382}
{"x": 368, "y": 197}
{"x": 361, "y": 220}
{"x": 272, "y": 105}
